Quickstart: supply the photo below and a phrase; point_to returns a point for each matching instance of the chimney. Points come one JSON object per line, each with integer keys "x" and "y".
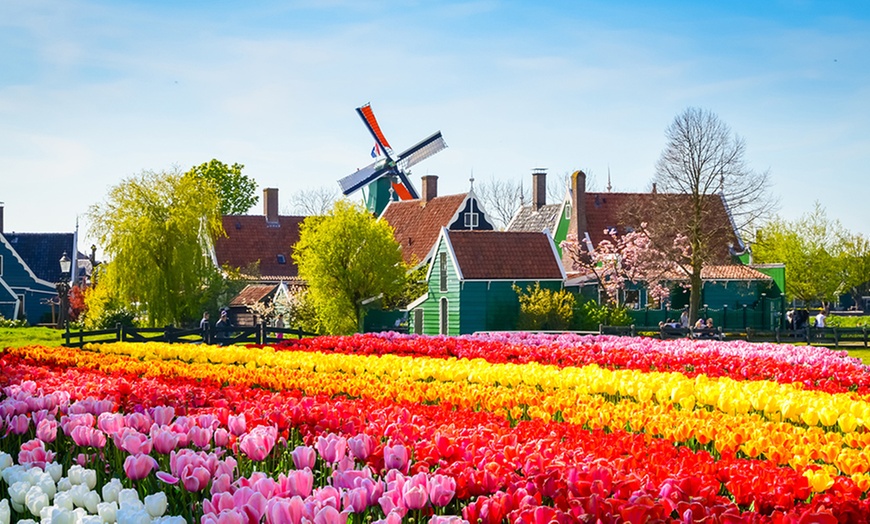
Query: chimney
{"x": 270, "y": 204}
{"x": 578, "y": 206}
{"x": 539, "y": 187}
{"x": 430, "y": 187}
{"x": 654, "y": 189}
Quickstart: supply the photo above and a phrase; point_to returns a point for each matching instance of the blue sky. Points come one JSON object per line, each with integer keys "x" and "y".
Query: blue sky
{"x": 93, "y": 92}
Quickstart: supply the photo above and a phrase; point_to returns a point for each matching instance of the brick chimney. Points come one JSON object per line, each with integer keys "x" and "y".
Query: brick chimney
{"x": 539, "y": 187}
{"x": 430, "y": 187}
{"x": 578, "y": 205}
{"x": 270, "y": 204}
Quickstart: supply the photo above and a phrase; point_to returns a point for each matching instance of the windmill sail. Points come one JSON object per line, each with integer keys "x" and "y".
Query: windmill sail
{"x": 421, "y": 151}
{"x": 368, "y": 117}
{"x": 363, "y": 176}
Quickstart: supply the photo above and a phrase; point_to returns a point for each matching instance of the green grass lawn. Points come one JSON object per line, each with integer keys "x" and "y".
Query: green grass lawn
{"x": 19, "y": 337}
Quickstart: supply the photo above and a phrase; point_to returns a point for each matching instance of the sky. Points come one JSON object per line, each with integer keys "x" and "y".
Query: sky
{"x": 95, "y": 92}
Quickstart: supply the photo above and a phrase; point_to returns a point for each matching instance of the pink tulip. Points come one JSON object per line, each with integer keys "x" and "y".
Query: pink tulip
{"x": 141, "y": 422}
{"x": 441, "y": 490}
{"x": 33, "y": 453}
{"x": 391, "y": 501}
{"x": 396, "y": 457}
{"x": 227, "y": 516}
{"x": 221, "y": 438}
{"x": 236, "y": 424}
{"x": 139, "y": 466}
{"x": 285, "y": 511}
{"x": 162, "y": 415}
{"x": 18, "y": 425}
{"x": 221, "y": 484}
{"x": 329, "y": 515}
{"x": 299, "y": 482}
{"x": 46, "y": 430}
{"x": 331, "y": 447}
{"x": 164, "y": 440}
{"x": 304, "y": 457}
{"x": 195, "y": 478}
{"x": 167, "y": 478}
{"x": 393, "y": 517}
{"x": 201, "y": 437}
{"x": 328, "y": 496}
{"x": 131, "y": 441}
{"x": 207, "y": 420}
{"x": 73, "y": 420}
{"x": 258, "y": 443}
{"x": 111, "y": 423}
{"x": 348, "y": 479}
{"x": 355, "y": 500}
{"x": 361, "y": 446}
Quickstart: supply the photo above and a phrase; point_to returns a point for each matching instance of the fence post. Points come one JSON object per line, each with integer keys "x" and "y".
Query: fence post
{"x": 836, "y": 338}
{"x": 120, "y": 330}
{"x": 633, "y": 331}
{"x": 864, "y": 332}
{"x": 261, "y": 333}
{"x": 600, "y": 329}
{"x": 724, "y": 316}
{"x": 748, "y": 329}
{"x": 776, "y": 333}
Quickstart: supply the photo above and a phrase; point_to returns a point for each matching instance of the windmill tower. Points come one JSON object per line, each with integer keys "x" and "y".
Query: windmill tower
{"x": 388, "y": 174}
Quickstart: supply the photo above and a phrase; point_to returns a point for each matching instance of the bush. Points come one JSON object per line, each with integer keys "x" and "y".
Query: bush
{"x": 8, "y": 323}
{"x": 545, "y": 310}
{"x": 591, "y": 315}
{"x": 847, "y": 322}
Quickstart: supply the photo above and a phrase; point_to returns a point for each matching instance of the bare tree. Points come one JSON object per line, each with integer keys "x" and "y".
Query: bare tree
{"x": 317, "y": 201}
{"x": 501, "y": 197}
{"x": 703, "y": 160}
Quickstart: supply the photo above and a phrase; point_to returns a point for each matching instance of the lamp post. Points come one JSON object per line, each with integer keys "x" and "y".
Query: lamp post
{"x": 63, "y": 291}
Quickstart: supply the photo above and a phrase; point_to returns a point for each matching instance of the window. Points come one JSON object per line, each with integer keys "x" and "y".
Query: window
{"x": 442, "y": 314}
{"x": 21, "y": 309}
{"x": 282, "y": 259}
{"x": 632, "y": 298}
{"x": 1, "y": 265}
{"x": 471, "y": 220}
{"x": 418, "y": 321}
{"x": 442, "y": 259}
{"x": 567, "y": 212}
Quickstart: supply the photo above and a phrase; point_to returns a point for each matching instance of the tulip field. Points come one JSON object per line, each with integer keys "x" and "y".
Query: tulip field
{"x": 388, "y": 428}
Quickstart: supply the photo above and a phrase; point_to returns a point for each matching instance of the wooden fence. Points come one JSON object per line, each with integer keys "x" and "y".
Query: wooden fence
{"x": 811, "y": 335}
{"x": 259, "y": 334}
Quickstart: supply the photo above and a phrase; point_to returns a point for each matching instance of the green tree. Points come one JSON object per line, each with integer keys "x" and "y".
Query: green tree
{"x": 155, "y": 229}
{"x": 822, "y": 258}
{"x": 236, "y": 191}
{"x": 347, "y": 256}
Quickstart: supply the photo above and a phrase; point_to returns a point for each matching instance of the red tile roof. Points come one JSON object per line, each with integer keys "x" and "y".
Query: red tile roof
{"x": 511, "y": 255}
{"x": 251, "y": 239}
{"x": 252, "y": 294}
{"x": 606, "y": 210}
{"x": 416, "y": 224}
{"x": 732, "y": 272}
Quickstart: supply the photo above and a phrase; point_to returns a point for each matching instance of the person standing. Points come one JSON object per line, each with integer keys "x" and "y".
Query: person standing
{"x": 279, "y": 323}
{"x": 684, "y": 319}
{"x": 820, "y": 319}
{"x": 222, "y": 326}
{"x": 204, "y": 326}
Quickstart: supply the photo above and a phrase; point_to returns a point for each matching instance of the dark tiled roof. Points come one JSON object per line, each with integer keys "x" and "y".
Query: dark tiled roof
{"x": 252, "y": 294}
{"x": 250, "y": 239}
{"x": 528, "y": 218}
{"x": 496, "y": 255}
{"x": 416, "y": 224}
{"x": 42, "y": 251}
{"x": 607, "y": 210}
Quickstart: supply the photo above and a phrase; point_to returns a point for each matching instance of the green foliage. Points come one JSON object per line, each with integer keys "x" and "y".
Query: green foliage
{"x": 103, "y": 308}
{"x": 10, "y": 323}
{"x": 591, "y": 315}
{"x": 823, "y": 260}
{"x": 847, "y": 322}
{"x": 155, "y": 228}
{"x": 235, "y": 190}
{"x": 542, "y": 309}
{"x": 415, "y": 286}
{"x": 347, "y": 256}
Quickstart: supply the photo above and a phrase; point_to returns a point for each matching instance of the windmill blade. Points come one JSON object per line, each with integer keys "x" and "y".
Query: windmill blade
{"x": 421, "y": 151}
{"x": 409, "y": 187}
{"x": 363, "y": 176}
{"x": 368, "y": 117}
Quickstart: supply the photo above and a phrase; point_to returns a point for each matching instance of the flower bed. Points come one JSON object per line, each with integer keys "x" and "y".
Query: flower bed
{"x": 381, "y": 428}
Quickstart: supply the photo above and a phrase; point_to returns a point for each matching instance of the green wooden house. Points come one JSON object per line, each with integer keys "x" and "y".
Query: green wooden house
{"x": 471, "y": 280}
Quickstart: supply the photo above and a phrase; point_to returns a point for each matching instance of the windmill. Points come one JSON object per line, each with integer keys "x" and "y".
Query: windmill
{"x": 388, "y": 171}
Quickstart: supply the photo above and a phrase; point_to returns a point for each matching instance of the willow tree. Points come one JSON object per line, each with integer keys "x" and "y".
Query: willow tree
{"x": 155, "y": 228}
{"x": 347, "y": 257}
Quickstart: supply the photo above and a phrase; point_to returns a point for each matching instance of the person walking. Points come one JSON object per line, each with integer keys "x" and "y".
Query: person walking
{"x": 820, "y": 319}
{"x": 204, "y": 327}
{"x": 279, "y": 323}
{"x": 222, "y": 326}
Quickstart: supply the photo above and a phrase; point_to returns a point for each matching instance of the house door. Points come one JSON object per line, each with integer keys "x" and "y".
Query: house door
{"x": 442, "y": 314}
{"x": 418, "y": 321}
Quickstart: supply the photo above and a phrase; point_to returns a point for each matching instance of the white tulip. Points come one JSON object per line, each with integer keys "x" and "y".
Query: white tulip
{"x": 129, "y": 498}
{"x": 89, "y": 477}
{"x": 108, "y": 511}
{"x": 46, "y": 484}
{"x": 5, "y": 511}
{"x": 64, "y": 484}
{"x": 5, "y": 461}
{"x": 27, "y": 521}
{"x": 111, "y": 490}
{"x": 17, "y": 508}
{"x": 35, "y": 500}
{"x": 155, "y": 504}
{"x": 55, "y": 470}
{"x": 90, "y": 501}
{"x": 64, "y": 500}
{"x": 18, "y": 491}
{"x": 45, "y": 513}
{"x": 127, "y": 515}
{"x": 91, "y": 519}
{"x": 13, "y": 474}
{"x": 76, "y": 475}
{"x": 78, "y": 492}
{"x": 61, "y": 516}
{"x": 169, "y": 520}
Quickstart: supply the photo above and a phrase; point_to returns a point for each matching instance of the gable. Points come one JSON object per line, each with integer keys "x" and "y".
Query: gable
{"x": 250, "y": 239}
{"x": 16, "y": 272}
{"x": 527, "y": 218}
{"x": 39, "y": 253}
{"x": 505, "y": 255}
{"x": 470, "y": 217}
